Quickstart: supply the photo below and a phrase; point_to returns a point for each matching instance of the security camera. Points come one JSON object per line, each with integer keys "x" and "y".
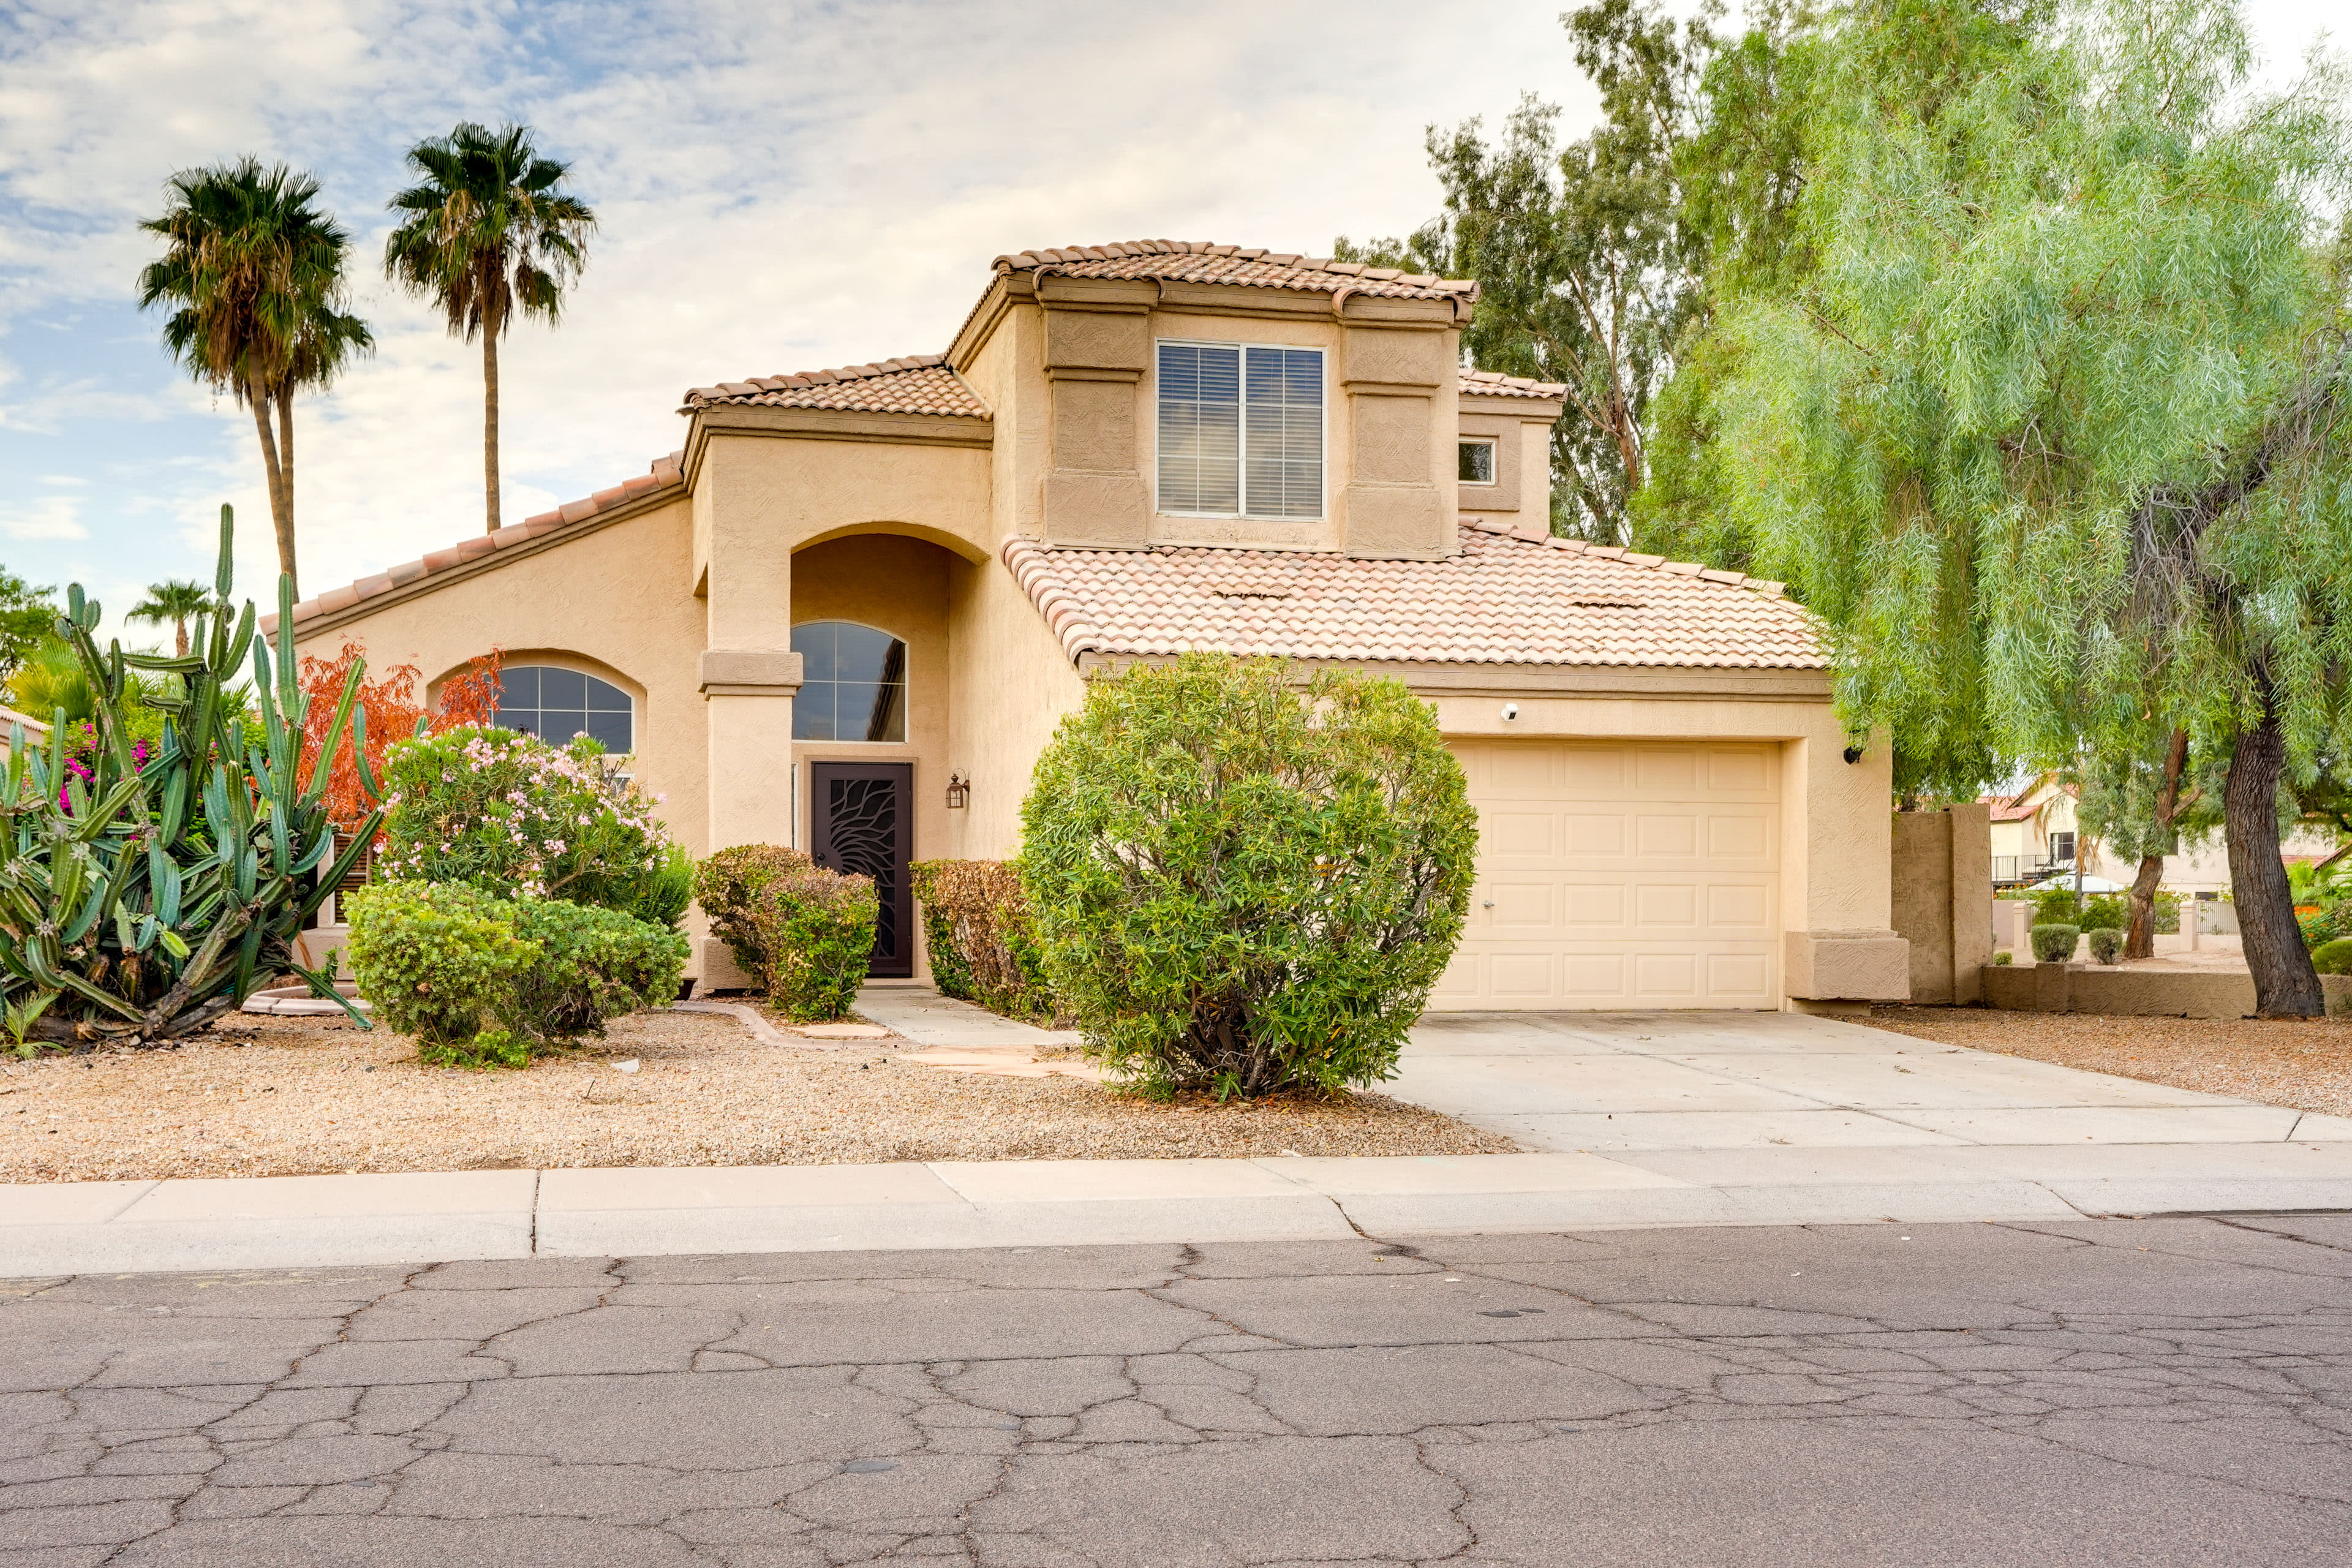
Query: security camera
{"x": 1510, "y": 711}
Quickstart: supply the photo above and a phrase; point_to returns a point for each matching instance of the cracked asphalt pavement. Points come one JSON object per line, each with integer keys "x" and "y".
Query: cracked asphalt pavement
{"x": 2147, "y": 1391}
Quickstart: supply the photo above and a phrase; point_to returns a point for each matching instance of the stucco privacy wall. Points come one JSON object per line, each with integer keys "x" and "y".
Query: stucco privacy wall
{"x": 1010, "y": 685}
{"x": 1942, "y": 900}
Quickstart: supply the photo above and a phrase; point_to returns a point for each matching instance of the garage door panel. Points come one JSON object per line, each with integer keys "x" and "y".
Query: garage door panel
{"x": 1742, "y": 834}
{"x": 1620, "y": 874}
{"x": 1531, "y": 834}
{"x": 1585, "y": 834}
{"x": 1658, "y": 835}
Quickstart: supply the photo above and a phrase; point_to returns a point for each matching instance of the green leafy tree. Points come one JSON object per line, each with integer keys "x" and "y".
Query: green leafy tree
{"x": 2052, "y": 437}
{"x": 488, "y": 233}
{"x": 1594, "y": 259}
{"x": 28, "y": 617}
{"x": 252, "y": 275}
{"x": 1245, "y": 883}
{"x": 177, "y": 601}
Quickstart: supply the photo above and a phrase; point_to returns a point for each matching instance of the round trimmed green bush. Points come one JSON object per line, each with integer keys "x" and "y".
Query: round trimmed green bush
{"x": 2106, "y": 943}
{"x": 812, "y": 932}
{"x": 2333, "y": 957}
{"x": 2054, "y": 943}
{"x": 593, "y": 965}
{"x": 1242, "y": 882}
{"x": 725, "y": 885}
{"x": 434, "y": 958}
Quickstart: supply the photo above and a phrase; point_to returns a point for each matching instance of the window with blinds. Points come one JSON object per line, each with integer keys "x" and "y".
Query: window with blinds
{"x": 1241, "y": 430}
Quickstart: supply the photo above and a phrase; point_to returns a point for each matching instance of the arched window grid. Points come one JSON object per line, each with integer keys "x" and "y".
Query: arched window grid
{"x": 853, "y": 683}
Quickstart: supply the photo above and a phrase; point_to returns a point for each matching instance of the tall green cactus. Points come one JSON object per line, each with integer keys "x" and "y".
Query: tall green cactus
{"x": 156, "y": 895}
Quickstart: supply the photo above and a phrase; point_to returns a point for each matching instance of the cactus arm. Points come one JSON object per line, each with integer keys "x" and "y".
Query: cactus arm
{"x": 323, "y": 768}
{"x": 323, "y": 985}
{"x": 368, "y": 783}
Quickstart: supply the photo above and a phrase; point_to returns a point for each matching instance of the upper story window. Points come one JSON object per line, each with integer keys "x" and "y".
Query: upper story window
{"x": 1476, "y": 463}
{"x": 557, "y": 704}
{"x": 1241, "y": 430}
{"x": 853, "y": 683}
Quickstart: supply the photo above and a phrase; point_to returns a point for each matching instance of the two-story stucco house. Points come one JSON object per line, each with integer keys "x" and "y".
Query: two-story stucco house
{"x": 851, "y": 610}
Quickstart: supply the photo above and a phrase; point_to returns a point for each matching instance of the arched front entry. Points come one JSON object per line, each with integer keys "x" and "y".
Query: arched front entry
{"x": 869, "y": 721}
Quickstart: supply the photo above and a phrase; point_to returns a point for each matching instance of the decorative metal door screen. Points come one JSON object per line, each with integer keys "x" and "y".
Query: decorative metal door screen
{"x": 861, "y": 825}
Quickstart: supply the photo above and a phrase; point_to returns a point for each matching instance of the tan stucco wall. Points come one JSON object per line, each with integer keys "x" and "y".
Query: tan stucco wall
{"x": 1010, "y": 686}
{"x": 1522, "y": 488}
{"x": 1943, "y": 899}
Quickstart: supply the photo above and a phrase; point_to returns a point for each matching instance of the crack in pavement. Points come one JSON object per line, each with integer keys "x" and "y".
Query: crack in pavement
{"x": 1617, "y": 1397}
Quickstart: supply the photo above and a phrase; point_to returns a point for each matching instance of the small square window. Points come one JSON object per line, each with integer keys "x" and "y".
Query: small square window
{"x": 1477, "y": 463}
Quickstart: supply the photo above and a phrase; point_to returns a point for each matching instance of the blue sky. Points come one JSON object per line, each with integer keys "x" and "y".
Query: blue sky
{"x": 783, "y": 186}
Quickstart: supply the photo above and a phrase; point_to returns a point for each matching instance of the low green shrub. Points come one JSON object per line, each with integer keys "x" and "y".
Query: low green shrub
{"x": 2108, "y": 911}
{"x": 489, "y": 1050}
{"x": 814, "y": 933}
{"x": 2055, "y": 943}
{"x": 2333, "y": 957}
{"x": 1244, "y": 883}
{"x": 981, "y": 941}
{"x": 2057, "y": 906}
{"x": 593, "y": 965}
{"x": 434, "y": 958}
{"x": 2004, "y": 957}
{"x": 448, "y": 963}
{"x": 727, "y": 885}
{"x": 2106, "y": 943}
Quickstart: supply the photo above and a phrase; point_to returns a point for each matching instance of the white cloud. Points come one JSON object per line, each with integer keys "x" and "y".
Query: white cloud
{"x": 48, "y": 516}
{"x": 782, "y": 185}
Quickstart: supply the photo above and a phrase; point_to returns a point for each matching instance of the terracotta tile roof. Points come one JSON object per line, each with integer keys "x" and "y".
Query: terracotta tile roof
{"x": 1195, "y": 261}
{"x": 665, "y": 474}
{"x": 1507, "y": 598}
{"x": 1492, "y": 383}
{"x": 920, "y": 384}
{"x": 2012, "y": 807}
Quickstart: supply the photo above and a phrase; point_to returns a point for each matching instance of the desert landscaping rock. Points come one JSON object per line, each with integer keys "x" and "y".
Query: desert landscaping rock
{"x": 2306, "y": 1064}
{"x": 271, "y": 1095}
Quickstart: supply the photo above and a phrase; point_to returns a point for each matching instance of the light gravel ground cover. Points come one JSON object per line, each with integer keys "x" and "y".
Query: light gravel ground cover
{"x": 2305, "y": 1064}
{"x": 273, "y": 1097}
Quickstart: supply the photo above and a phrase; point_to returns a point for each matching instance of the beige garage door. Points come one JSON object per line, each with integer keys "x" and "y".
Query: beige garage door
{"x": 1620, "y": 874}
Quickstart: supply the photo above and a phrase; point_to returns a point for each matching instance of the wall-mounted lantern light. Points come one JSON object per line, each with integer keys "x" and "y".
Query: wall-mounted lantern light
{"x": 959, "y": 792}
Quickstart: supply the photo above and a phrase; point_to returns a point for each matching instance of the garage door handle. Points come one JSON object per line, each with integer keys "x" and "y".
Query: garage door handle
{"x": 1488, "y": 905}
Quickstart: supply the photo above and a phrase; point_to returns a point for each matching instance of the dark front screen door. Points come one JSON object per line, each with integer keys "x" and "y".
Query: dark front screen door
{"x": 862, "y": 824}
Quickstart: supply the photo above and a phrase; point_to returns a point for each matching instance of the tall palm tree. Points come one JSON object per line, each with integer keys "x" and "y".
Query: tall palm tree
{"x": 254, "y": 274}
{"x": 178, "y": 602}
{"x": 488, "y": 233}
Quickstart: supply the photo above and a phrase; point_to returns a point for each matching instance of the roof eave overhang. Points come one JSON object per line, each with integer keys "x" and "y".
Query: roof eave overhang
{"x": 1648, "y": 681}
{"x": 830, "y": 424}
{"x": 416, "y": 587}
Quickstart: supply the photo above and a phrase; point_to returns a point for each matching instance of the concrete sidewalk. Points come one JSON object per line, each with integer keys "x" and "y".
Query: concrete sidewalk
{"x": 315, "y": 1221}
{"x": 1641, "y": 1120}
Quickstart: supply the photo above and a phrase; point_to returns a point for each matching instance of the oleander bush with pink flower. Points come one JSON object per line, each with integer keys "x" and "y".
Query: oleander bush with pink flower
{"x": 518, "y": 818}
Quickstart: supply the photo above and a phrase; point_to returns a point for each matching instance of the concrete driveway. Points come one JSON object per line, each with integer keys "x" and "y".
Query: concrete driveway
{"x": 1613, "y": 1082}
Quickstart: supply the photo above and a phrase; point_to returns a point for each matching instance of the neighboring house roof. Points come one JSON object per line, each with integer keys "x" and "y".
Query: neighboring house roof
{"x": 1507, "y": 598}
{"x": 10, "y": 716}
{"x": 664, "y": 475}
{"x": 1492, "y": 383}
{"x": 1197, "y": 261}
{"x": 2012, "y": 807}
{"x": 918, "y": 384}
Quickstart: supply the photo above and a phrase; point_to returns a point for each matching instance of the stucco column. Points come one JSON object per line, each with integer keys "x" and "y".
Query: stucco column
{"x": 1838, "y": 945}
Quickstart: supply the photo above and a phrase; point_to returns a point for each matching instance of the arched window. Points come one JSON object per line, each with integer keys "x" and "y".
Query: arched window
{"x": 557, "y": 704}
{"x": 853, "y": 683}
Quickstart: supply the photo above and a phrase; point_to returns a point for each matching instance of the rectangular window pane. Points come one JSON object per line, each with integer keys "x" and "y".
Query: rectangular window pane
{"x": 814, "y": 644}
{"x": 1200, "y": 428}
{"x": 612, "y": 728}
{"x": 1284, "y": 412}
{"x": 1477, "y": 463}
{"x": 561, "y": 723}
{"x": 562, "y": 688}
{"x": 519, "y": 688}
{"x": 813, "y": 712}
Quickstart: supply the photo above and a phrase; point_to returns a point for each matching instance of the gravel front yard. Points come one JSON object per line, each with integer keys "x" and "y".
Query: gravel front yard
{"x": 2305, "y": 1065}
{"x": 272, "y": 1097}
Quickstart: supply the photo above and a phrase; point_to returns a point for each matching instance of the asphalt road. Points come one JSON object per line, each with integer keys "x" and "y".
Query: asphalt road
{"x": 2118, "y": 1391}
